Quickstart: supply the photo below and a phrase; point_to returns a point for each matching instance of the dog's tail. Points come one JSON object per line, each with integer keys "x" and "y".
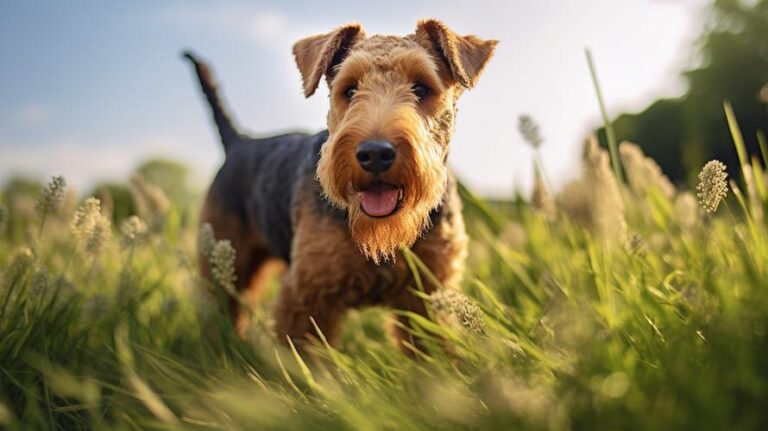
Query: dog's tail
{"x": 227, "y": 130}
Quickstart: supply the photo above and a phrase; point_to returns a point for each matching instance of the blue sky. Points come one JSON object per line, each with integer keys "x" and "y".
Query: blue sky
{"x": 89, "y": 89}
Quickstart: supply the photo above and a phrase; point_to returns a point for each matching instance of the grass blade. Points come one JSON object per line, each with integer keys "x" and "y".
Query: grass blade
{"x": 609, "y": 132}
{"x": 738, "y": 139}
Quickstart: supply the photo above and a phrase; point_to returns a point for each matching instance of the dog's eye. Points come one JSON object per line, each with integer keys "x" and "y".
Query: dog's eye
{"x": 350, "y": 92}
{"x": 420, "y": 91}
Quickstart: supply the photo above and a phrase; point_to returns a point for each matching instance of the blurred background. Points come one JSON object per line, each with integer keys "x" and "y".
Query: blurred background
{"x": 602, "y": 305}
{"x": 96, "y": 91}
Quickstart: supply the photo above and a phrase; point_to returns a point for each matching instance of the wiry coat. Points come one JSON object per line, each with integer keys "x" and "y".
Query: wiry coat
{"x": 295, "y": 198}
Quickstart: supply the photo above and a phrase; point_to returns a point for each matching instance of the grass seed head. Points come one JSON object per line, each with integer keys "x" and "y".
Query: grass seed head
{"x": 85, "y": 215}
{"x": 595, "y": 199}
{"x": 22, "y": 260}
{"x": 100, "y": 236}
{"x": 133, "y": 231}
{"x": 51, "y": 196}
{"x": 222, "y": 262}
{"x": 713, "y": 185}
{"x": 450, "y": 304}
{"x": 206, "y": 240}
{"x": 90, "y": 226}
{"x": 541, "y": 199}
{"x": 530, "y": 131}
{"x": 636, "y": 245}
{"x": 643, "y": 173}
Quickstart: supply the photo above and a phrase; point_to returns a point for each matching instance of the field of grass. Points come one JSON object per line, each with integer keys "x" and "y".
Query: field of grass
{"x": 609, "y": 306}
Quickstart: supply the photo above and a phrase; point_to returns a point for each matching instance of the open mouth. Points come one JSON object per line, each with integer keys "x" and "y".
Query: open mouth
{"x": 380, "y": 199}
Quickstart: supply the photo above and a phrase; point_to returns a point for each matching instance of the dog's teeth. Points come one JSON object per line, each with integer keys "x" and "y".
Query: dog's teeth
{"x": 400, "y": 194}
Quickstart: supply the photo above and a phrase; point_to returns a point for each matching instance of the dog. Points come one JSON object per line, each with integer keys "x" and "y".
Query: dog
{"x": 337, "y": 207}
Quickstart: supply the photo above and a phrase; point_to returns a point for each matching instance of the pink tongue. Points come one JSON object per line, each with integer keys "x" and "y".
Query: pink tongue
{"x": 379, "y": 201}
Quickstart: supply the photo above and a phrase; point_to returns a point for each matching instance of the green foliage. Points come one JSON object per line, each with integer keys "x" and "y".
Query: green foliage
{"x": 118, "y": 198}
{"x": 171, "y": 176}
{"x": 660, "y": 325}
{"x": 20, "y": 197}
{"x": 609, "y": 306}
{"x": 683, "y": 133}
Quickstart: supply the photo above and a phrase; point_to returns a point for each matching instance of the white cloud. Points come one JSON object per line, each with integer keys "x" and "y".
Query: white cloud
{"x": 262, "y": 25}
{"x": 267, "y": 26}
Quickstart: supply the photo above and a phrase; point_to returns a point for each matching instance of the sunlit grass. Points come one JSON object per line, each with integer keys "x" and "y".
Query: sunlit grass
{"x": 659, "y": 324}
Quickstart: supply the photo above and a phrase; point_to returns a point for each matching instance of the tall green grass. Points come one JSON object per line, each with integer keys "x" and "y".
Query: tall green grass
{"x": 660, "y": 326}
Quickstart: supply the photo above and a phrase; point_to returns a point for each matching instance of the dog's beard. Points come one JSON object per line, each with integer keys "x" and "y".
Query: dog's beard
{"x": 379, "y": 239}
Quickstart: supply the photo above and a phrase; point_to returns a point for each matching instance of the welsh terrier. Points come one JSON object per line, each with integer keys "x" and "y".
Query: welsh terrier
{"x": 338, "y": 206}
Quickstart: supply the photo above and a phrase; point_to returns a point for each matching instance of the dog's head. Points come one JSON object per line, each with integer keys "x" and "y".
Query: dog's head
{"x": 393, "y": 105}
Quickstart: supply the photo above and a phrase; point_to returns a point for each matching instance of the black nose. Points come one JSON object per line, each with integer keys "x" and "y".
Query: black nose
{"x": 375, "y": 156}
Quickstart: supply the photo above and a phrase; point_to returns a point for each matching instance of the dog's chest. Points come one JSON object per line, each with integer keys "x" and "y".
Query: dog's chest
{"x": 325, "y": 256}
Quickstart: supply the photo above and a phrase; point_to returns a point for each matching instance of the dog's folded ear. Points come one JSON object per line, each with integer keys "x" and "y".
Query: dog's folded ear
{"x": 318, "y": 55}
{"x": 466, "y": 55}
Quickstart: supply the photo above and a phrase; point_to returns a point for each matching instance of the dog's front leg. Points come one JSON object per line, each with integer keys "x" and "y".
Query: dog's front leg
{"x": 320, "y": 283}
{"x": 300, "y": 302}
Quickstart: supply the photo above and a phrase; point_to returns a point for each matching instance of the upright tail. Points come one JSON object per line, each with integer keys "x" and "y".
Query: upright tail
{"x": 227, "y": 130}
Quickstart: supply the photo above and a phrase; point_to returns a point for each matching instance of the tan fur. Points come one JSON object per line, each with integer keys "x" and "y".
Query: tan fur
{"x": 315, "y": 55}
{"x": 466, "y": 55}
{"x": 384, "y": 70}
{"x": 328, "y": 275}
{"x": 338, "y": 264}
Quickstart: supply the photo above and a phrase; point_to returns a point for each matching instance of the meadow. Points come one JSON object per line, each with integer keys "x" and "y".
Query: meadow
{"x": 621, "y": 302}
